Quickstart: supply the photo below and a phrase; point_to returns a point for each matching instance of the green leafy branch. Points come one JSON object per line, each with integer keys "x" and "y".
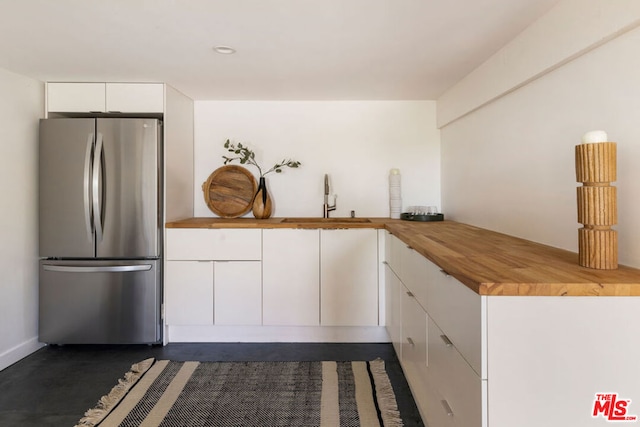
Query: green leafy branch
{"x": 247, "y": 156}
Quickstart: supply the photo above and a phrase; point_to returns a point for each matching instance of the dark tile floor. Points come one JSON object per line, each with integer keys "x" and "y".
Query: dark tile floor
{"x": 56, "y": 385}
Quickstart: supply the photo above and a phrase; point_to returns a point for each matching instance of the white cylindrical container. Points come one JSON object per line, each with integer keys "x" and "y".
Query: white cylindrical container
{"x": 395, "y": 194}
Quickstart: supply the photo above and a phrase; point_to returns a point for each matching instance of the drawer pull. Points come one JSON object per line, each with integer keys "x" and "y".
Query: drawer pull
{"x": 385, "y": 262}
{"x": 447, "y": 408}
{"x": 410, "y": 341}
{"x": 446, "y": 340}
{"x": 409, "y": 294}
{"x": 445, "y": 273}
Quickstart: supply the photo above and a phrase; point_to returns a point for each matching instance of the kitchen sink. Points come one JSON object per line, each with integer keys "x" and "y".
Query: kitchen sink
{"x": 308, "y": 220}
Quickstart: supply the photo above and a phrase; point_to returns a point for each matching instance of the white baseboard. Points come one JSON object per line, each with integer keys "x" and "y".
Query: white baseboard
{"x": 335, "y": 334}
{"x": 19, "y": 352}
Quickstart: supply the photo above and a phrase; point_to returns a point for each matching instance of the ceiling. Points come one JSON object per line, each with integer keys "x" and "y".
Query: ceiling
{"x": 286, "y": 49}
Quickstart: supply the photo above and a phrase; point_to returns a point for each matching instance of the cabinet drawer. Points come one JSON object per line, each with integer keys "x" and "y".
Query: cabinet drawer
{"x": 453, "y": 380}
{"x": 457, "y": 310}
{"x": 432, "y": 405}
{"x": 218, "y": 244}
{"x": 414, "y": 273}
{"x": 393, "y": 248}
{"x": 414, "y": 335}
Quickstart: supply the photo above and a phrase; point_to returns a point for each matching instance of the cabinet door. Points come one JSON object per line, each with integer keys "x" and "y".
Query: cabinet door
{"x": 457, "y": 310}
{"x": 135, "y": 97}
{"x": 76, "y": 97}
{"x": 238, "y": 293}
{"x": 457, "y": 385}
{"x": 349, "y": 277}
{"x": 291, "y": 277}
{"x": 189, "y": 293}
{"x": 393, "y": 308}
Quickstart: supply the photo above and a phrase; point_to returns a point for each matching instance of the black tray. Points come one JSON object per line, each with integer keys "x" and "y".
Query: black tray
{"x": 411, "y": 217}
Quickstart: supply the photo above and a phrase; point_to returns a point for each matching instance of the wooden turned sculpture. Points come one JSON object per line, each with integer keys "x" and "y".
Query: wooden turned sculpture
{"x": 597, "y": 207}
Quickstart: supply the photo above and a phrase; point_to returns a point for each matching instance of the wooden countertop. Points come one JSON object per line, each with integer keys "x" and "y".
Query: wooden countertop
{"x": 487, "y": 262}
{"x": 279, "y": 223}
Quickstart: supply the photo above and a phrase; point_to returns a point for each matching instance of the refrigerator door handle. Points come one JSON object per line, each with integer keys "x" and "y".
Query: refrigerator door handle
{"x": 96, "y": 194}
{"x": 97, "y": 269}
{"x": 87, "y": 188}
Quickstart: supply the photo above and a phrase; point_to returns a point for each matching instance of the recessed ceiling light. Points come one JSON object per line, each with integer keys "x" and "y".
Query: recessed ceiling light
{"x": 224, "y": 50}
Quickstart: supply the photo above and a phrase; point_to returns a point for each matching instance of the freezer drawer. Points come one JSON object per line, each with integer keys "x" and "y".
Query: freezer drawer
{"x": 100, "y": 302}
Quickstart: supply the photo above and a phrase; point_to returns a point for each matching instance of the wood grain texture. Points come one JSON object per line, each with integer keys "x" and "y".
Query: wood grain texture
{"x": 229, "y": 191}
{"x": 276, "y": 223}
{"x": 598, "y": 248}
{"x": 596, "y": 162}
{"x": 487, "y": 262}
{"x": 262, "y": 206}
{"x": 597, "y": 205}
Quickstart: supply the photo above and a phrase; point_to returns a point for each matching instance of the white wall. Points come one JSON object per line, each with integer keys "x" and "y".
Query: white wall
{"x": 356, "y": 143}
{"x": 21, "y": 105}
{"x": 509, "y": 166}
{"x": 567, "y": 31}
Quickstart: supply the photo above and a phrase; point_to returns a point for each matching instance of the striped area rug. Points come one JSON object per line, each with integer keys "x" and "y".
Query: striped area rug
{"x": 178, "y": 394}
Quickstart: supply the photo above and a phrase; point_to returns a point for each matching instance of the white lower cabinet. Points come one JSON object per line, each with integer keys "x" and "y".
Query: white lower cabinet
{"x": 320, "y": 277}
{"x": 213, "y": 277}
{"x": 414, "y": 336}
{"x": 453, "y": 382}
{"x": 439, "y": 317}
{"x": 291, "y": 277}
{"x": 457, "y": 310}
{"x": 237, "y": 290}
{"x": 213, "y": 292}
{"x": 349, "y": 277}
{"x": 273, "y": 285}
{"x": 189, "y": 293}
{"x": 393, "y": 307}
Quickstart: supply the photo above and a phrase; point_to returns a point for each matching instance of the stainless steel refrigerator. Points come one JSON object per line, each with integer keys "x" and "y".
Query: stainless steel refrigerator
{"x": 100, "y": 231}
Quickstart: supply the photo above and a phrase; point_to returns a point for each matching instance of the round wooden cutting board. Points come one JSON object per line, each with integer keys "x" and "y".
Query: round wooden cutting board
{"x": 229, "y": 191}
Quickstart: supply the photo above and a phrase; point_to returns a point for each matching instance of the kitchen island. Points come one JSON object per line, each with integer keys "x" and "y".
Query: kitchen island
{"x": 491, "y": 330}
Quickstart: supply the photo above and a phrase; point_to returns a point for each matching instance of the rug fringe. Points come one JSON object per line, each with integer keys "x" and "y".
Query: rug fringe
{"x": 386, "y": 397}
{"x": 109, "y": 401}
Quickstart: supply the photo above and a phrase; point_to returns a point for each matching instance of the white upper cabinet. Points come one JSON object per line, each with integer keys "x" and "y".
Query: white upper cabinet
{"x": 135, "y": 97}
{"x": 105, "y": 97}
{"x": 76, "y": 97}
